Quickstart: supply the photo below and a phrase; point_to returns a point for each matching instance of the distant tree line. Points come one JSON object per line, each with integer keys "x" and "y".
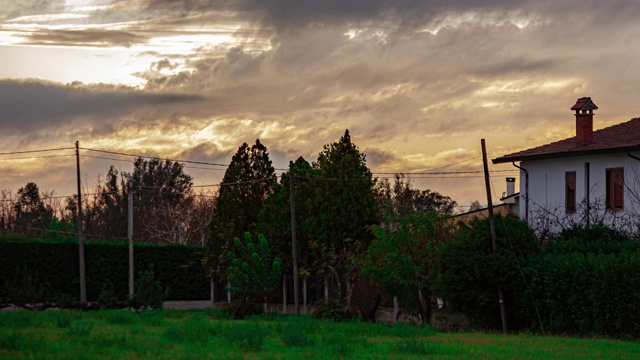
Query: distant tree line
{"x": 340, "y": 210}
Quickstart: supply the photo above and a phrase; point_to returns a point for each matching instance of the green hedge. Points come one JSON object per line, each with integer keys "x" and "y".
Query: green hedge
{"x": 586, "y": 282}
{"x": 55, "y": 265}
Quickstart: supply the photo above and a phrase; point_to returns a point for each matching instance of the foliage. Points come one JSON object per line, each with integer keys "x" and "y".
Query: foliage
{"x": 599, "y": 239}
{"x": 274, "y": 220}
{"x": 246, "y": 184}
{"x": 165, "y": 209}
{"x": 585, "y": 282}
{"x": 240, "y": 308}
{"x": 403, "y": 255}
{"x": 31, "y": 214}
{"x": 27, "y": 288}
{"x": 149, "y": 292}
{"x": 343, "y": 207}
{"x": 60, "y": 230}
{"x": 253, "y": 273}
{"x": 56, "y": 266}
{"x": 331, "y": 309}
{"x": 469, "y": 272}
{"x": 400, "y": 199}
{"x": 345, "y": 201}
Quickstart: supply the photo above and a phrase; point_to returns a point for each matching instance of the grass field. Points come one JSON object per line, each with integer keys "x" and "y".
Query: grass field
{"x": 202, "y": 334}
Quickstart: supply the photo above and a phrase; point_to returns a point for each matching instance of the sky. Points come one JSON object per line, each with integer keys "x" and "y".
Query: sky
{"x": 418, "y": 83}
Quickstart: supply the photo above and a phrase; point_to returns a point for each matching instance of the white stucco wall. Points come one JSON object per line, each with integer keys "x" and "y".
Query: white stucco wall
{"x": 547, "y": 190}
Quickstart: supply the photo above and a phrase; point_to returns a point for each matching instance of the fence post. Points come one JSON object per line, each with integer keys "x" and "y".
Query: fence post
{"x": 284, "y": 294}
{"x": 304, "y": 293}
{"x": 213, "y": 292}
{"x": 326, "y": 287}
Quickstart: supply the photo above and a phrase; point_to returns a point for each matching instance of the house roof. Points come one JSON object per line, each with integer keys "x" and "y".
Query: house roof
{"x": 618, "y": 138}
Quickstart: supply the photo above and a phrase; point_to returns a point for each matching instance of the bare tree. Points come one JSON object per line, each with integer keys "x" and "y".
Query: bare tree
{"x": 180, "y": 222}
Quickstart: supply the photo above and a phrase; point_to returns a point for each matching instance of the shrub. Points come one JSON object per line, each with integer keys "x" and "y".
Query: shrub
{"x": 242, "y": 308}
{"x": 469, "y": 272}
{"x": 149, "y": 292}
{"x": 331, "y": 309}
{"x": 587, "y": 294}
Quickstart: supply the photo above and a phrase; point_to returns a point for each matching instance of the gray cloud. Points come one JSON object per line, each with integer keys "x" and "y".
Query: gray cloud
{"x": 97, "y": 38}
{"x": 32, "y": 105}
{"x": 12, "y": 9}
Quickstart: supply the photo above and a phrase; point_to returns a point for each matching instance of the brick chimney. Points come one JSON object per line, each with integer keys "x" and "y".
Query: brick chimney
{"x": 584, "y": 120}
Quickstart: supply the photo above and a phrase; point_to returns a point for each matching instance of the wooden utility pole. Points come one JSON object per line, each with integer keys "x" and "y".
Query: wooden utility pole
{"x": 492, "y": 227}
{"x": 130, "y": 236}
{"x": 294, "y": 241}
{"x": 83, "y": 283}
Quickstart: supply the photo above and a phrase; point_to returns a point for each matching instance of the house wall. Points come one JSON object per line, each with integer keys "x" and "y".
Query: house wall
{"x": 547, "y": 191}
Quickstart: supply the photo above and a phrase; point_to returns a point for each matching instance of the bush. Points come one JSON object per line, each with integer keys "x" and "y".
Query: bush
{"x": 331, "y": 309}
{"x": 149, "y": 292}
{"x": 469, "y": 272}
{"x": 242, "y": 309}
{"x": 587, "y": 294}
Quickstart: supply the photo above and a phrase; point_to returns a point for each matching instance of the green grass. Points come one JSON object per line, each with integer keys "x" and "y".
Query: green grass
{"x": 208, "y": 334}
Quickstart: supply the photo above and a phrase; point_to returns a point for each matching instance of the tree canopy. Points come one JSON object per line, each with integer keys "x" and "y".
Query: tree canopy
{"x": 246, "y": 184}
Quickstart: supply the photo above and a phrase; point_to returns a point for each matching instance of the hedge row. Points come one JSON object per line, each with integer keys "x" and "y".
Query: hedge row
{"x": 54, "y": 266}
{"x": 587, "y": 294}
{"x": 583, "y": 282}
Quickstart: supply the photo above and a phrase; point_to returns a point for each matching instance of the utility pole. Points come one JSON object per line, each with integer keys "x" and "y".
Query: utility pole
{"x": 130, "y": 237}
{"x": 492, "y": 227}
{"x": 83, "y": 282}
{"x": 294, "y": 241}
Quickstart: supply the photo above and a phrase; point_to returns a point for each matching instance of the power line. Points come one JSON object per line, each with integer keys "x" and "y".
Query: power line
{"x": 154, "y": 157}
{"x": 36, "y": 157}
{"x": 35, "y": 151}
{"x": 442, "y": 172}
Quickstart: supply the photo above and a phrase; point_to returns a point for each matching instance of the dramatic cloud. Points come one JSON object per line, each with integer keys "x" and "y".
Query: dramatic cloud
{"x": 99, "y": 38}
{"x": 33, "y": 105}
{"x": 418, "y": 83}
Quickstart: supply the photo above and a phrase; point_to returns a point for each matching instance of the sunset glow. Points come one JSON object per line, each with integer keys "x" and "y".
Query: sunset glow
{"x": 418, "y": 84}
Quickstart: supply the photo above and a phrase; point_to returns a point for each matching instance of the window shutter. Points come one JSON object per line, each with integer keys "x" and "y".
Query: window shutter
{"x": 618, "y": 188}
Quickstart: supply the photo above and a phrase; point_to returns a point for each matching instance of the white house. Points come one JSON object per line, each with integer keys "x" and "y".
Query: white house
{"x": 592, "y": 177}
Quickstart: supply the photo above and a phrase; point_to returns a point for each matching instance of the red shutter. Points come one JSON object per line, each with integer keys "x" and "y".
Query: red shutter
{"x": 615, "y": 188}
{"x": 618, "y": 188}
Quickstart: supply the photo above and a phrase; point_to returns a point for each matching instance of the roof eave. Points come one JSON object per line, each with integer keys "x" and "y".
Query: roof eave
{"x": 563, "y": 154}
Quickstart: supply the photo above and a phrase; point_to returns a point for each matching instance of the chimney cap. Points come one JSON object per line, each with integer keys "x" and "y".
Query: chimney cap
{"x": 584, "y": 103}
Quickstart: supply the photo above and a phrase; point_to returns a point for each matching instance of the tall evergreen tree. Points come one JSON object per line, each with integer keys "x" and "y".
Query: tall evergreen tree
{"x": 274, "y": 220}
{"x": 248, "y": 181}
{"x": 344, "y": 206}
